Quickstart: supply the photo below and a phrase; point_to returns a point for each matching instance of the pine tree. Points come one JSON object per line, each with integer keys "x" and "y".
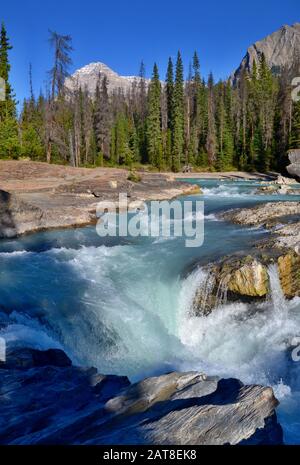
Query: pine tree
{"x": 225, "y": 137}
{"x": 178, "y": 116}
{"x": 102, "y": 118}
{"x": 30, "y": 125}
{"x": 142, "y": 113}
{"x": 8, "y": 106}
{"x": 62, "y": 45}
{"x": 211, "y": 141}
{"x": 9, "y": 140}
{"x": 169, "y": 99}
{"x": 154, "y": 135}
{"x": 202, "y": 124}
{"x": 169, "y": 89}
{"x": 197, "y": 116}
{"x": 121, "y": 151}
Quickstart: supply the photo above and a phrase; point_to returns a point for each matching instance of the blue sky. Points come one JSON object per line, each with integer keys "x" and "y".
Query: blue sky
{"x": 121, "y": 33}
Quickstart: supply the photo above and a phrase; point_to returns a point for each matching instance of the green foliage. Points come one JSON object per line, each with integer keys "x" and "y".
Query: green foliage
{"x": 178, "y": 116}
{"x": 220, "y": 126}
{"x": 7, "y": 107}
{"x": 134, "y": 177}
{"x": 31, "y": 144}
{"x": 9, "y": 140}
{"x": 154, "y": 131}
{"x": 121, "y": 152}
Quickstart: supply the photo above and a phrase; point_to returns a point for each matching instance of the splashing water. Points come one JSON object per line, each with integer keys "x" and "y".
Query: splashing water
{"x": 278, "y": 300}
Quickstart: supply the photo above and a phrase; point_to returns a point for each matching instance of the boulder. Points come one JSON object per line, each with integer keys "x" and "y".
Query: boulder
{"x": 29, "y": 358}
{"x": 284, "y": 181}
{"x": 233, "y": 279}
{"x": 294, "y": 168}
{"x": 71, "y": 405}
{"x": 246, "y": 280}
{"x": 16, "y": 216}
{"x": 289, "y": 274}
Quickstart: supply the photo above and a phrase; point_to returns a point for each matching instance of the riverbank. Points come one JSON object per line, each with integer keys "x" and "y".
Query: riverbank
{"x": 281, "y": 218}
{"x": 38, "y": 196}
{"x": 227, "y": 175}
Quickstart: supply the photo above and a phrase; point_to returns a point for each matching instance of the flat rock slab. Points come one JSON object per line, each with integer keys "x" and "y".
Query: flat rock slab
{"x": 38, "y": 196}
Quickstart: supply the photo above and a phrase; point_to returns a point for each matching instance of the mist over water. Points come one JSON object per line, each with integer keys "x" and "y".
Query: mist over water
{"x": 125, "y": 305}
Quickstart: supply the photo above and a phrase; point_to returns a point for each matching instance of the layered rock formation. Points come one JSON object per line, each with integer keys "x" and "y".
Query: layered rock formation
{"x": 46, "y": 400}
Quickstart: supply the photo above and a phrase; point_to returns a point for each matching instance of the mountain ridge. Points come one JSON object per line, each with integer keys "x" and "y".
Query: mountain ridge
{"x": 281, "y": 49}
{"x": 88, "y": 76}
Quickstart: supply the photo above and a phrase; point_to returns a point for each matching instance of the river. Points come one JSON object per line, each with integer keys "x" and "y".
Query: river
{"x": 123, "y": 305}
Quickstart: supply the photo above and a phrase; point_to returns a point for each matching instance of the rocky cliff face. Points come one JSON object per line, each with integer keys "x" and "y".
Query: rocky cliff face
{"x": 88, "y": 76}
{"x": 281, "y": 49}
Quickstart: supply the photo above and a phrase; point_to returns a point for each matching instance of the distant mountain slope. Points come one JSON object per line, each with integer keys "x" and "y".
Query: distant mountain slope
{"x": 281, "y": 49}
{"x": 88, "y": 76}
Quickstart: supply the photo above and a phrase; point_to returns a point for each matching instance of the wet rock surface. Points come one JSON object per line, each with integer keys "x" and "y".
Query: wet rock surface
{"x": 281, "y": 218}
{"x": 246, "y": 279}
{"x": 233, "y": 278}
{"x": 51, "y": 403}
{"x": 262, "y": 214}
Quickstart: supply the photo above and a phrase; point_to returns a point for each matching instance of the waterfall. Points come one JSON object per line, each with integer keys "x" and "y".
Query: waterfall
{"x": 202, "y": 292}
{"x": 222, "y": 292}
{"x": 277, "y": 297}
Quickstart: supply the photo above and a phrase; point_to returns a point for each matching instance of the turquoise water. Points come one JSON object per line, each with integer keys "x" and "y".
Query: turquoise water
{"x": 122, "y": 305}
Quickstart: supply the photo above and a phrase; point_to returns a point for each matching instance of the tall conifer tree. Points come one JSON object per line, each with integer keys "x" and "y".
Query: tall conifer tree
{"x": 154, "y": 135}
{"x": 178, "y": 116}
